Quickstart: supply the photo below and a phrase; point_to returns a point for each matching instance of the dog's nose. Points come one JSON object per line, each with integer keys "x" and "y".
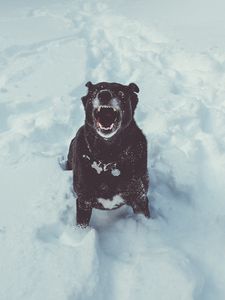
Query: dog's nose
{"x": 104, "y": 96}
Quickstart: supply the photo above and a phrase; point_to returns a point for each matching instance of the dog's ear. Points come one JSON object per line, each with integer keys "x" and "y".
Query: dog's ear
{"x": 84, "y": 99}
{"x": 133, "y": 87}
{"x": 89, "y": 84}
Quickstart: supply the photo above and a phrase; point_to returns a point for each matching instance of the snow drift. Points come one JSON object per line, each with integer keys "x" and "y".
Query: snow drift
{"x": 48, "y": 51}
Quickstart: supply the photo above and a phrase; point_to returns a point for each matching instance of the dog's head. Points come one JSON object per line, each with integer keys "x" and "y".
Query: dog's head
{"x": 109, "y": 107}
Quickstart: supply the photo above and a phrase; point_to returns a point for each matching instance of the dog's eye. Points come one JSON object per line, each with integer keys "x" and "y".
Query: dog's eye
{"x": 121, "y": 94}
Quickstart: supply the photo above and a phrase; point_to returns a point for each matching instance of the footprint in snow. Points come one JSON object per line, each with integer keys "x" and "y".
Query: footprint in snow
{"x": 69, "y": 236}
{"x": 49, "y": 233}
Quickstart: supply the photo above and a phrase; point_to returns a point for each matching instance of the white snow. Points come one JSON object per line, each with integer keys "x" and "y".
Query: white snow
{"x": 175, "y": 53}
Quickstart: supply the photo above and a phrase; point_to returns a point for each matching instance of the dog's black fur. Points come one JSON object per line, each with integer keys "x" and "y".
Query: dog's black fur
{"x": 109, "y": 160}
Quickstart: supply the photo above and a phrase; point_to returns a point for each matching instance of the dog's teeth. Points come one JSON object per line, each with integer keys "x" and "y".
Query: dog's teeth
{"x": 105, "y": 128}
{"x": 106, "y": 106}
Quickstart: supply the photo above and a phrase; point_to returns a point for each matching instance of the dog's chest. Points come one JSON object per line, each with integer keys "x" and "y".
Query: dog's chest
{"x": 99, "y": 167}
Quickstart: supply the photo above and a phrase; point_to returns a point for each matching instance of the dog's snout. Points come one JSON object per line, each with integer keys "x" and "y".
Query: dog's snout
{"x": 104, "y": 96}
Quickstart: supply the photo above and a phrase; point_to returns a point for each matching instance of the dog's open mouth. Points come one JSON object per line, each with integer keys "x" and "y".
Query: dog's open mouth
{"x": 107, "y": 120}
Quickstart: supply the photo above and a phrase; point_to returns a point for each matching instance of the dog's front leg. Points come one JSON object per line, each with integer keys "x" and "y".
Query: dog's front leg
{"x": 135, "y": 194}
{"x": 140, "y": 206}
{"x": 84, "y": 210}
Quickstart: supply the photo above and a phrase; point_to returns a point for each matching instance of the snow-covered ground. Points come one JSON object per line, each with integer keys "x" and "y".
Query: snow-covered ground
{"x": 176, "y": 54}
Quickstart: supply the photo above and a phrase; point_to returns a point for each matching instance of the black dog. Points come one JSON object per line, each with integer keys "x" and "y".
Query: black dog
{"x": 108, "y": 156}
